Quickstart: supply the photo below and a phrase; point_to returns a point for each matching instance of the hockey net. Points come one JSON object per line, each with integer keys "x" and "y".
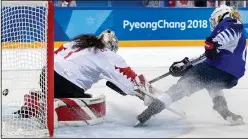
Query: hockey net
{"x": 27, "y": 49}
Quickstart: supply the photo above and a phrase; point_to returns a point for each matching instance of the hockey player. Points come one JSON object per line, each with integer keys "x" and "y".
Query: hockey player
{"x": 225, "y": 50}
{"x": 82, "y": 62}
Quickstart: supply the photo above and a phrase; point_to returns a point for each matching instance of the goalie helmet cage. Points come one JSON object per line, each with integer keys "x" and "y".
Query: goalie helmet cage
{"x": 27, "y": 47}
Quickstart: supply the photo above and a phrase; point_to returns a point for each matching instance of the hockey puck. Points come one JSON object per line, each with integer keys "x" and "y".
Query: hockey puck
{"x": 5, "y": 92}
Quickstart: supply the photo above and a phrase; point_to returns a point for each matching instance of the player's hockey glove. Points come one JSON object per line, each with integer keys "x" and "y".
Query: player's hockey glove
{"x": 211, "y": 48}
{"x": 178, "y": 69}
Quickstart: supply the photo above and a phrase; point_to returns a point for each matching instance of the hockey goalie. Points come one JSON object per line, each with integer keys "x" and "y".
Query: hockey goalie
{"x": 77, "y": 65}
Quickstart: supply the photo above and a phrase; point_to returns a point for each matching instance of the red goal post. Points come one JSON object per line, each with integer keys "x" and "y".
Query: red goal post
{"x": 27, "y": 48}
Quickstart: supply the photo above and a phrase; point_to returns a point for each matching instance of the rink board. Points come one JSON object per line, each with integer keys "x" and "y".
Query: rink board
{"x": 138, "y": 24}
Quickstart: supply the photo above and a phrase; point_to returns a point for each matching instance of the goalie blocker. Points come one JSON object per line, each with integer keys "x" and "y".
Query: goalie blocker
{"x": 67, "y": 111}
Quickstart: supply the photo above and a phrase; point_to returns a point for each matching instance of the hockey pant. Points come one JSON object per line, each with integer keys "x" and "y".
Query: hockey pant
{"x": 64, "y": 88}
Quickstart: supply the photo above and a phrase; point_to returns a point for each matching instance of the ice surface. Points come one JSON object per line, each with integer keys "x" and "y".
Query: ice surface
{"x": 202, "y": 120}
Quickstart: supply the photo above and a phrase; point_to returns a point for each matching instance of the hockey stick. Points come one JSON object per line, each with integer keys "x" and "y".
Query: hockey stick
{"x": 193, "y": 62}
{"x": 160, "y": 77}
{"x": 118, "y": 90}
{"x": 197, "y": 60}
{"x": 113, "y": 86}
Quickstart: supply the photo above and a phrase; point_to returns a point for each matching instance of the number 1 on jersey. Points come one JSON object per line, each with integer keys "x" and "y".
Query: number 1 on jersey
{"x": 71, "y": 52}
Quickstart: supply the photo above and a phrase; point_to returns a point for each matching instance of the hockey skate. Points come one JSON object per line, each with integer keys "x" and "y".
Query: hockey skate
{"x": 234, "y": 119}
{"x": 154, "y": 108}
{"x": 220, "y": 105}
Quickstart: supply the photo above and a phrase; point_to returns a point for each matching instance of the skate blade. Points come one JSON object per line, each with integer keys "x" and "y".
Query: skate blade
{"x": 238, "y": 122}
{"x": 138, "y": 124}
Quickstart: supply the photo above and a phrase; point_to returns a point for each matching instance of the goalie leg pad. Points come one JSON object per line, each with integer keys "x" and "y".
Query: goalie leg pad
{"x": 79, "y": 111}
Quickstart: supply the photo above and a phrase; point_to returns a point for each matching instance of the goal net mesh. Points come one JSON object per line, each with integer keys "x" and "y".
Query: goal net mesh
{"x": 24, "y": 37}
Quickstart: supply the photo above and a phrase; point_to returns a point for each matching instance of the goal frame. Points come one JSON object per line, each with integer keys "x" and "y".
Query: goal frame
{"x": 50, "y": 68}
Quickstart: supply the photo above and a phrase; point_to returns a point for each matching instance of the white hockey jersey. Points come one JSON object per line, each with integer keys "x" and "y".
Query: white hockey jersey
{"x": 83, "y": 67}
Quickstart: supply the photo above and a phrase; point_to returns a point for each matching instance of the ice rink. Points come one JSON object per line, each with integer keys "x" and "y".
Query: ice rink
{"x": 201, "y": 121}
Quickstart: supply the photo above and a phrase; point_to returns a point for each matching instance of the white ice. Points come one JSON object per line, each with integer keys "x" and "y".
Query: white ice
{"x": 201, "y": 121}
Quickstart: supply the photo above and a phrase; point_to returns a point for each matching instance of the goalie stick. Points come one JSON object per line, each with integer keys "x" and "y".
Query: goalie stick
{"x": 118, "y": 90}
{"x": 115, "y": 88}
{"x": 111, "y": 84}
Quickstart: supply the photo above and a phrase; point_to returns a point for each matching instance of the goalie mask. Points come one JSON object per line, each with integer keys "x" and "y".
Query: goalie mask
{"x": 110, "y": 40}
{"x": 219, "y": 14}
